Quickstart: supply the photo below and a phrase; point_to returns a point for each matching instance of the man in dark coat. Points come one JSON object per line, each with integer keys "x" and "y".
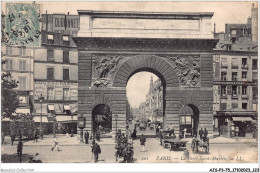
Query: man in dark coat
{"x": 35, "y": 135}
{"x": 201, "y": 133}
{"x": 86, "y": 136}
{"x": 96, "y": 150}
{"x": 142, "y": 142}
{"x": 20, "y": 149}
{"x": 72, "y": 133}
{"x": 134, "y": 134}
{"x": 12, "y": 138}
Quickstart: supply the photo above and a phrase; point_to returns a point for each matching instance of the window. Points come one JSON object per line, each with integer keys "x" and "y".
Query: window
{"x": 9, "y": 64}
{"x": 224, "y": 62}
{"x": 244, "y": 105}
{"x": 235, "y": 63}
{"x": 66, "y": 109}
{"x": 65, "y": 38}
{"x": 223, "y": 90}
{"x": 234, "y": 90}
{"x": 233, "y": 32}
{"x": 22, "y": 99}
{"x": 23, "y": 51}
{"x": 244, "y": 74}
{"x": 254, "y": 64}
{"x": 234, "y": 105}
{"x": 22, "y": 65}
{"x": 244, "y": 62}
{"x": 50, "y": 73}
{"x": 244, "y": 90}
{"x": 66, "y": 58}
{"x": 50, "y": 109}
{"x": 255, "y": 92}
{"x": 50, "y": 55}
{"x": 223, "y": 106}
{"x": 22, "y": 83}
{"x": 50, "y": 93}
{"x": 234, "y": 76}
{"x": 229, "y": 89}
{"x": 66, "y": 74}
{"x": 66, "y": 94}
{"x": 9, "y": 50}
{"x": 50, "y": 39}
{"x": 223, "y": 76}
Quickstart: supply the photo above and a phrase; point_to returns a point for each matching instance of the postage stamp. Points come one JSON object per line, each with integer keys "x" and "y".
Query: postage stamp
{"x": 22, "y": 24}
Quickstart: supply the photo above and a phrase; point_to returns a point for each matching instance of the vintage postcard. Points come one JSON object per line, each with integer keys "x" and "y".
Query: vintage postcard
{"x": 129, "y": 82}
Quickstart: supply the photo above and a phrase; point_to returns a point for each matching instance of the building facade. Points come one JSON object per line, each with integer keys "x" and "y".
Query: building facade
{"x": 20, "y": 62}
{"x": 236, "y": 81}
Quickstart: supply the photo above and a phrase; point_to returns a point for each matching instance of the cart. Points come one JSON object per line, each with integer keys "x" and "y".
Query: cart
{"x": 174, "y": 144}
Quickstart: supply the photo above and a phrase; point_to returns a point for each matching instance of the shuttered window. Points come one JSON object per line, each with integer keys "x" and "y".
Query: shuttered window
{"x": 50, "y": 73}
{"x": 235, "y": 63}
{"x": 224, "y": 62}
{"x": 22, "y": 65}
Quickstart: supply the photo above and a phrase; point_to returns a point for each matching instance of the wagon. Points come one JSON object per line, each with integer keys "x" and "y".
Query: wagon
{"x": 196, "y": 143}
{"x": 174, "y": 144}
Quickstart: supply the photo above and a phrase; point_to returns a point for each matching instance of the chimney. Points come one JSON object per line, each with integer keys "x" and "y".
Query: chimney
{"x": 254, "y": 21}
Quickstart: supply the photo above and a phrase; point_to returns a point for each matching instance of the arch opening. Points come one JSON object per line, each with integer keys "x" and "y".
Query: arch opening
{"x": 189, "y": 120}
{"x": 102, "y": 120}
{"x": 145, "y": 91}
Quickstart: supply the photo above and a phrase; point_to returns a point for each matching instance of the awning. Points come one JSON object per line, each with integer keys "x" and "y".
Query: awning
{"x": 51, "y": 107}
{"x": 37, "y": 119}
{"x": 242, "y": 119}
{"x": 67, "y": 107}
{"x": 22, "y": 111}
{"x": 66, "y": 118}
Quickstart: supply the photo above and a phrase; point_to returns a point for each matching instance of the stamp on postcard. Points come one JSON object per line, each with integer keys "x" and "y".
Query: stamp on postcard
{"x": 23, "y": 24}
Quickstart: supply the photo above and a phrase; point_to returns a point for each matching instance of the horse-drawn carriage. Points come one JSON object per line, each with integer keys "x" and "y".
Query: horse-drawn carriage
{"x": 123, "y": 148}
{"x": 203, "y": 143}
{"x": 125, "y": 151}
{"x": 168, "y": 140}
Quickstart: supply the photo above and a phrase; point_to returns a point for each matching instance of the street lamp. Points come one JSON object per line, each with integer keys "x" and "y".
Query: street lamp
{"x": 41, "y": 99}
{"x": 116, "y": 117}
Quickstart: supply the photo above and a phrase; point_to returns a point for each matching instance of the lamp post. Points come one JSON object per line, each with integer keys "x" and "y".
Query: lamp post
{"x": 116, "y": 117}
{"x": 41, "y": 99}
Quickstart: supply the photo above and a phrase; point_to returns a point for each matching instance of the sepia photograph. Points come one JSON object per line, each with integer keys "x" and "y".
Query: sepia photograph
{"x": 129, "y": 82}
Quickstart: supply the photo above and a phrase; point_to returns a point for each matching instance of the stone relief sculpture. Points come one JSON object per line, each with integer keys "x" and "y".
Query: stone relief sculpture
{"x": 187, "y": 68}
{"x": 103, "y": 68}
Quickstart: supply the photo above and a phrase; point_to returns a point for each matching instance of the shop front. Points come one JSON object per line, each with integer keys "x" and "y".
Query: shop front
{"x": 236, "y": 121}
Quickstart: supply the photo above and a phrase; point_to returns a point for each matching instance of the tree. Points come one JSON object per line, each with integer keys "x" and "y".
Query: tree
{"x": 9, "y": 98}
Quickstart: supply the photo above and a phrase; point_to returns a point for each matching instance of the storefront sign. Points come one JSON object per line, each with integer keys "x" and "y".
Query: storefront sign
{"x": 61, "y": 21}
{"x": 42, "y": 87}
{"x": 234, "y": 83}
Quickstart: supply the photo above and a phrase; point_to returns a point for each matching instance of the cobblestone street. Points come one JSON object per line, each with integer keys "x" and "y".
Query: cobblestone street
{"x": 74, "y": 152}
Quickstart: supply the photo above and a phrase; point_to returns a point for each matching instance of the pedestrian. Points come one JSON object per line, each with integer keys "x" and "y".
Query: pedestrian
{"x": 96, "y": 150}
{"x": 12, "y": 138}
{"x": 205, "y": 133}
{"x": 171, "y": 129}
{"x": 55, "y": 143}
{"x": 72, "y": 135}
{"x": 86, "y": 136}
{"x": 3, "y": 138}
{"x": 35, "y": 137}
{"x": 184, "y": 133}
{"x": 157, "y": 131}
{"x": 236, "y": 131}
{"x": 134, "y": 134}
{"x": 98, "y": 135}
{"x": 201, "y": 133}
{"x": 67, "y": 132}
{"x": 20, "y": 149}
{"x": 142, "y": 142}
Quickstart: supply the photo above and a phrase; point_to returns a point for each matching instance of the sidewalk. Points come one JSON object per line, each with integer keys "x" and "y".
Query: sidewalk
{"x": 70, "y": 141}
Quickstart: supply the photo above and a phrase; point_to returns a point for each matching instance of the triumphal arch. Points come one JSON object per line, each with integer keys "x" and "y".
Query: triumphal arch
{"x": 177, "y": 47}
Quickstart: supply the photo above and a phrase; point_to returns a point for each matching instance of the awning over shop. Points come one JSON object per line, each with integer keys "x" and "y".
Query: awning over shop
{"x": 67, "y": 107}
{"x": 51, "y": 107}
{"x": 22, "y": 111}
{"x": 237, "y": 111}
{"x": 66, "y": 118}
{"x": 242, "y": 119}
{"x": 37, "y": 119}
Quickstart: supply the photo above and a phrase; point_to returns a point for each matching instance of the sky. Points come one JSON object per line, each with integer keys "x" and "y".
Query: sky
{"x": 224, "y": 12}
{"x": 137, "y": 88}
